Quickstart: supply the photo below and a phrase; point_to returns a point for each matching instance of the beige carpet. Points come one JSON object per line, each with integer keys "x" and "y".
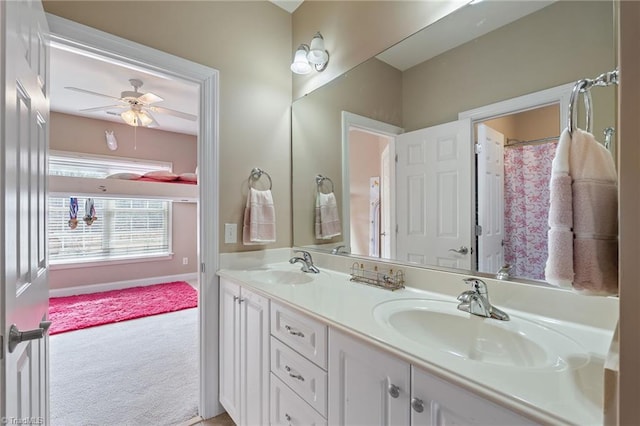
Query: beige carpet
{"x": 137, "y": 372}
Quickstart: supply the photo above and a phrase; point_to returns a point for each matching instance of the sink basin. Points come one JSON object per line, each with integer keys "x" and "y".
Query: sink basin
{"x": 437, "y": 324}
{"x": 280, "y": 276}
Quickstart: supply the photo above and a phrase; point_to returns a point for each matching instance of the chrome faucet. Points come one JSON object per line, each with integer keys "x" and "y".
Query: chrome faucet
{"x": 476, "y": 301}
{"x": 503, "y": 273}
{"x": 306, "y": 260}
{"x": 336, "y": 250}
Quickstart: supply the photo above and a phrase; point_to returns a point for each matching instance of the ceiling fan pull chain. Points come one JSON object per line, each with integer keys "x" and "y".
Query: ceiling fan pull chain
{"x": 135, "y": 138}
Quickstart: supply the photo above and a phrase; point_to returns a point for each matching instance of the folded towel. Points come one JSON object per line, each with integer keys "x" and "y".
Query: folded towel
{"x": 327, "y": 218}
{"x": 583, "y": 216}
{"x": 259, "y": 225}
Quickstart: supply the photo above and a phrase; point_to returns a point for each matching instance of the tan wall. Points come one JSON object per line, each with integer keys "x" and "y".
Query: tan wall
{"x": 354, "y": 31}
{"x": 629, "y": 192}
{"x": 564, "y": 42}
{"x": 249, "y": 42}
{"x": 78, "y": 134}
{"x": 533, "y": 124}
{"x": 317, "y": 130}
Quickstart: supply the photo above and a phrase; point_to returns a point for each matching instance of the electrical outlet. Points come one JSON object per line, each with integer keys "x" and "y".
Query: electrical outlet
{"x": 230, "y": 233}
{"x": 185, "y": 260}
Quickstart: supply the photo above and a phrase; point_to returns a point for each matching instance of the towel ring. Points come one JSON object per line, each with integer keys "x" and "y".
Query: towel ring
{"x": 581, "y": 86}
{"x": 320, "y": 180}
{"x": 256, "y": 174}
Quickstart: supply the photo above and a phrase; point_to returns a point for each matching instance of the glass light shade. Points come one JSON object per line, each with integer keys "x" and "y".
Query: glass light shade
{"x": 300, "y": 63}
{"x": 317, "y": 54}
{"x": 136, "y": 118}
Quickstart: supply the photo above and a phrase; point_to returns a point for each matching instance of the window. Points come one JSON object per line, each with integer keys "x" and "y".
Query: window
{"x": 125, "y": 229}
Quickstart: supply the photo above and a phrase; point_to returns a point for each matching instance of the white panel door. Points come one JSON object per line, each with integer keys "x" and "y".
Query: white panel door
{"x": 433, "y": 195}
{"x": 435, "y": 402}
{"x": 490, "y": 199}
{"x": 230, "y": 348}
{"x": 254, "y": 349}
{"x": 23, "y": 150}
{"x": 366, "y": 386}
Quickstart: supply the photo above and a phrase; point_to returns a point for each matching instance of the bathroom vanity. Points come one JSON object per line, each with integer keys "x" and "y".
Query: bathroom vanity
{"x": 304, "y": 348}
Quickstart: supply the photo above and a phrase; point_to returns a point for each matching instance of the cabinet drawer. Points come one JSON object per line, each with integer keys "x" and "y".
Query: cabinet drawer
{"x": 304, "y": 377}
{"x": 307, "y": 336}
{"x": 288, "y": 409}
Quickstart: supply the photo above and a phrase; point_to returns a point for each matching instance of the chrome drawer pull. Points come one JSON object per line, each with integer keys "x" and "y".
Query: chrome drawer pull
{"x": 287, "y": 417}
{"x": 295, "y": 376}
{"x": 418, "y": 405}
{"x": 292, "y": 331}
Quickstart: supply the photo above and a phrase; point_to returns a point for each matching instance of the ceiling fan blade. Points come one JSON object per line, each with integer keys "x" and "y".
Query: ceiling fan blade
{"x": 149, "y": 98}
{"x": 153, "y": 123}
{"x": 92, "y": 93}
{"x": 103, "y": 108}
{"x": 173, "y": 112}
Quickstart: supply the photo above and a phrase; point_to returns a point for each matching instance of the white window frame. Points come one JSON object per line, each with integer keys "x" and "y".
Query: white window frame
{"x": 117, "y": 164}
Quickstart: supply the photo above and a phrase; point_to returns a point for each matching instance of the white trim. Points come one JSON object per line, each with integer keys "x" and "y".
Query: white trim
{"x": 558, "y": 94}
{"x": 119, "y": 285}
{"x": 91, "y": 263}
{"x": 351, "y": 121}
{"x": 86, "y": 40}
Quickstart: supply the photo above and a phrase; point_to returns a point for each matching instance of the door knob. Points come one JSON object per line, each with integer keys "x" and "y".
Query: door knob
{"x": 16, "y": 336}
{"x": 461, "y": 250}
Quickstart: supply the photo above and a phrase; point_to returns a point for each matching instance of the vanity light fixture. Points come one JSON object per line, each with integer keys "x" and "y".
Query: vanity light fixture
{"x": 312, "y": 56}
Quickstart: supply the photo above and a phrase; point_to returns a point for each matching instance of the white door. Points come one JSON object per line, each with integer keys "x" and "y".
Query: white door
{"x": 366, "y": 386}
{"x": 433, "y": 195}
{"x": 25, "y": 295}
{"x": 254, "y": 352}
{"x": 490, "y": 195}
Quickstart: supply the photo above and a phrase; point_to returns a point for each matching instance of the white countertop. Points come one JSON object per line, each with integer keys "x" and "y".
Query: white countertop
{"x": 571, "y": 392}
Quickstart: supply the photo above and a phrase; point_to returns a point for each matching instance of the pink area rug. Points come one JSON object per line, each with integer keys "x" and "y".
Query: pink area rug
{"x": 89, "y": 310}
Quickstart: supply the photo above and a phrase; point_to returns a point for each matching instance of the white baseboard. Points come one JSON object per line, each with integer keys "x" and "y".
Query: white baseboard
{"x": 119, "y": 285}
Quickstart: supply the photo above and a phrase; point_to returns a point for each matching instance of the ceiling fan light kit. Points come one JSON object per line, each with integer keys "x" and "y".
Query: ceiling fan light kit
{"x": 139, "y": 106}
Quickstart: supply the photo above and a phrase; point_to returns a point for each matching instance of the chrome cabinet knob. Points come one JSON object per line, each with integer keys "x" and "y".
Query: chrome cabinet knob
{"x": 417, "y": 404}
{"x": 394, "y": 391}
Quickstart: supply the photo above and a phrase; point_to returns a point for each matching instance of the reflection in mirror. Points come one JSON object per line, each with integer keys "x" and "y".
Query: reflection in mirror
{"x": 398, "y": 137}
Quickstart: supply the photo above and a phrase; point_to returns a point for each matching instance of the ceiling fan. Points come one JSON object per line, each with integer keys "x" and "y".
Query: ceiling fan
{"x": 138, "y": 106}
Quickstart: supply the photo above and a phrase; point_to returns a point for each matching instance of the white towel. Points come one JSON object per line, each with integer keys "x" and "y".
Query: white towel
{"x": 583, "y": 216}
{"x": 327, "y": 218}
{"x": 259, "y": 225}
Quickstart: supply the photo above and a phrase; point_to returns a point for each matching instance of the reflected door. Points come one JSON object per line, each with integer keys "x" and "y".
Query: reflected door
{"x": 434, "y": 195}
{"x": 490, "y": 152}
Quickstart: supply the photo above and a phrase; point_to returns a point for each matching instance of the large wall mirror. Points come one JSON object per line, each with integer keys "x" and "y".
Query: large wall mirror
{"x": 437, "y": 152}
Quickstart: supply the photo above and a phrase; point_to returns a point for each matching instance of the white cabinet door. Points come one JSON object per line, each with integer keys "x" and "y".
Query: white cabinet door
{"x": 230, "y": 348}
{"x": 436, "y": 402}
{"x": 244, "y": 354}
{"x": 366, "y": 386}
{"x": 254, "y": 350}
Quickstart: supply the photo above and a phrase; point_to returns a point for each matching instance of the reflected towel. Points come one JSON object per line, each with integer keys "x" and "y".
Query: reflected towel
{"x": 259, "y": 225}
{"x": 327, "y": 218}
{"x": 583, "y": 216}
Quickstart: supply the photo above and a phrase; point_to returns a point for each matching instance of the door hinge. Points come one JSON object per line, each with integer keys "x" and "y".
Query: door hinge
{"x": 478, "y": 230}
{"x": 396, "y": 158}
{"x": 477, "y": 148}
{"x": 397, "y": 228}
{"x": 1, "y": 347}
{"x": 202, "y": 267}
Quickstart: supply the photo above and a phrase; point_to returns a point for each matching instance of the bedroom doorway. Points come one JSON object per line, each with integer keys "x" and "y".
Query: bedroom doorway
{"x": 81, "y": 39}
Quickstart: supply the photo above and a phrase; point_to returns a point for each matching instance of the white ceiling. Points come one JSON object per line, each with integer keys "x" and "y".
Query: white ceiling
{"x": 288, "y": 5}
{"x": 70, "y": 68}
{"x": 463, "y": 25}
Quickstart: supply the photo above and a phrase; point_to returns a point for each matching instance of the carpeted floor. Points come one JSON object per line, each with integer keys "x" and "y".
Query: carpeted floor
{"x": 89, "y": 310}
{"x": 137, "y": 372}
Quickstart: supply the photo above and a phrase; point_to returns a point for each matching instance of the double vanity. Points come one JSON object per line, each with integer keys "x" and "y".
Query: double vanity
{"x": 316, "y": 348}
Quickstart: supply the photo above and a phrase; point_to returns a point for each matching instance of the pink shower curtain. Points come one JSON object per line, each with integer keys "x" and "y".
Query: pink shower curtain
{"x": 526, "y": 191}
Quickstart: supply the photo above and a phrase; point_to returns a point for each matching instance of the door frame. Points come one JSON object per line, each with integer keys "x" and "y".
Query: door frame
{"x": 90, "y": 41}
{"x": 366, "y": 124}
{"x": 554, "y": 95}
